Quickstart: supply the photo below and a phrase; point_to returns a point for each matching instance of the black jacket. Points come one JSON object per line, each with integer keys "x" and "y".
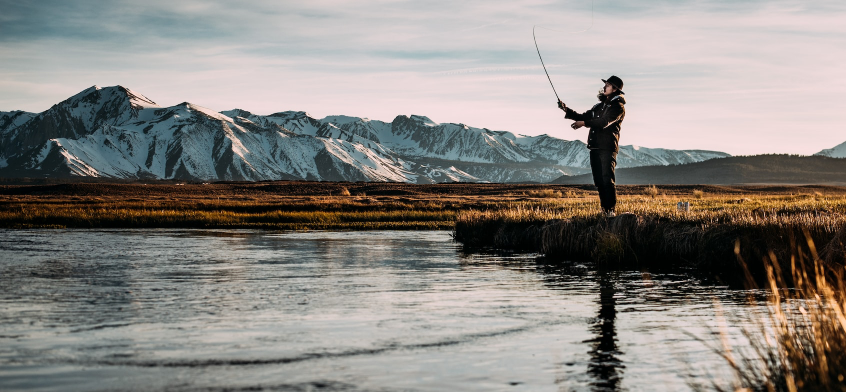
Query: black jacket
{"x": 604, "y": 120}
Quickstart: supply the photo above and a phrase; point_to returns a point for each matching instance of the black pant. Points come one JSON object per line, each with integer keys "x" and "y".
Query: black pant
{"x": 602, "y": 164}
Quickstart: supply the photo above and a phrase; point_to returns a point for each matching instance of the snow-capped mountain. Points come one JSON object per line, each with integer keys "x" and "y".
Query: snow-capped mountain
{"x": 574, "y": 153}
{"x": 13, "y": 119}
{"x": 838, "y": 151}
{"x": 116, "y": 132}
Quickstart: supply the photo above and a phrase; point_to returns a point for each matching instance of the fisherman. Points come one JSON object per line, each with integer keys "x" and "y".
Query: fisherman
{"x": 604, "y": 120}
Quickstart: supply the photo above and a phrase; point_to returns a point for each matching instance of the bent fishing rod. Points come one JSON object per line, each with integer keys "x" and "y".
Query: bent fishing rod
{"x": 544, "y": 65}
{"x": 535, "y": 38}
{"x": 573, "y": 125}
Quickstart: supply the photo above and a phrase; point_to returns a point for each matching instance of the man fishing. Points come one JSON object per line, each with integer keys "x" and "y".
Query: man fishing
{"x": 604, "y": 120}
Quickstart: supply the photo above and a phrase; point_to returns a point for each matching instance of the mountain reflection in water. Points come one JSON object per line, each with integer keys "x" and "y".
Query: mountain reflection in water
{"x": 251, "y": 310}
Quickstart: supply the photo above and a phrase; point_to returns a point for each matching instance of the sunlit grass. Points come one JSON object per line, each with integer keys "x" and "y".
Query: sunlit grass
{"x": 464, "y": 213}
{"x": 653, "y": 230}
{"x": 545, "y": 193}
{"x": 799, "y": 343}
{"x": 167, "y": 216}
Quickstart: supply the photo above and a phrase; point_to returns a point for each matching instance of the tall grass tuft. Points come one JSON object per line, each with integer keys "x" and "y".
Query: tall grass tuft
{"x": 698, "y": 194}
{"x": 651, "y": 191}
{"x": 545, "y": 193}
{"x": 653, "y": 232}
{"x": 800, "y": 344}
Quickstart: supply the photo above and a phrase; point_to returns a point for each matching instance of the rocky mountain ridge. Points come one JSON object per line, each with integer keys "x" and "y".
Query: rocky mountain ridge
{"x": 119, "y": 133}
{"x": 838, "y": 151}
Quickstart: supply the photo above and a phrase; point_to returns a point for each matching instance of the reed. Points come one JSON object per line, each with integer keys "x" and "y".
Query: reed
{"x": 504, "y": 216}
{"x": 799, "y": 344}
{"x": 120, "y": 216}
{"x": 651, "y": 191}
{"x": 654, "y": 232}
{"x": 545, "y": 193}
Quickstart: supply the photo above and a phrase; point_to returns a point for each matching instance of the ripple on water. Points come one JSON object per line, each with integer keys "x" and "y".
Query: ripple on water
{"x": 240, "y": 309}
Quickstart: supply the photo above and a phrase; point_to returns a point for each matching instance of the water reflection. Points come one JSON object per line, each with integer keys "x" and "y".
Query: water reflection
{"x": 242, "y": 310}
{"x": 605, "y": 364}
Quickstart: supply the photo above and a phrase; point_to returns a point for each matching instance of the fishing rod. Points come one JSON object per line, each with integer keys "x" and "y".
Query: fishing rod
{"x": 544, "y": 65}
{"x": 541, "y": 57}
{"x": 573, "y": 125}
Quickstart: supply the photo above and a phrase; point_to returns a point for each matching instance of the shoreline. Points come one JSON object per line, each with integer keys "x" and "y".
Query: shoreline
{"x": 554, "y": 220}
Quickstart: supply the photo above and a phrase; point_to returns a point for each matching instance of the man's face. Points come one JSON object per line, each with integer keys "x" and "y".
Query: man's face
{"x": 609, "y": 89}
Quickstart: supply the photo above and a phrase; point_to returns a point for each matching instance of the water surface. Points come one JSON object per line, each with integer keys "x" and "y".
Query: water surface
{"x": 331, "y": 311}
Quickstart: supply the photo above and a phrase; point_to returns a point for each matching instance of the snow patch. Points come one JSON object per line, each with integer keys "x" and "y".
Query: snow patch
{"x": 424, "y": 120}
{"x": 838, "y": 151}
{"x": 141, "y": 138}
{"x": 208, "y": 112}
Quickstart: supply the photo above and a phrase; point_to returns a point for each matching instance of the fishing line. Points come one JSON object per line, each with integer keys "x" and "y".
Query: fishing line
{"x": 565, "y": 32}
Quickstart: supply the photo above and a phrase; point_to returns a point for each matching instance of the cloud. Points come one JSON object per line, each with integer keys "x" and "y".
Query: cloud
{"x": 738, "y": 76}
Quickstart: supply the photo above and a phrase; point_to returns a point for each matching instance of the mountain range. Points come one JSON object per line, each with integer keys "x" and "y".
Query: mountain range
{"x": 115, "y": 132}
{"x": 756, "y": 169}
{"x": 838, "y": 151}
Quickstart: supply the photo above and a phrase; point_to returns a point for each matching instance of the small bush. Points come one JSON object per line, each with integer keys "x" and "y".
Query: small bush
{"x": 698, "y": 194}
{"x": 651, "y": 191}
{"x": 545, "y": 193}
{"x": 344, "y": 192}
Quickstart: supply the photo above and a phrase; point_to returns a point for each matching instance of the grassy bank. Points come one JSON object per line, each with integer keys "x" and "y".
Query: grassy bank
{"x": 653, "y": 232}
{"x": 291, "y": 214}
{"x": 286, "y": 206}
{"x": 508, "y": 216}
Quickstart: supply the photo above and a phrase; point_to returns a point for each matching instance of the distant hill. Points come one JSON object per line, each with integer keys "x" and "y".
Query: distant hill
{"x": 757, "y": 169}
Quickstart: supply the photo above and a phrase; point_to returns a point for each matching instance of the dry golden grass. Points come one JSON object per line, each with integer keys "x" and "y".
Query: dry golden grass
{"x": 310, "y": 205}
{"x": 651, "y": 191}
{"x": 713, "y": 210}
{"x": 545, "y": 193}
{"x": 799, "y": 344}
{"x": 301, "y": 213}
{"x": 653, "y": 231}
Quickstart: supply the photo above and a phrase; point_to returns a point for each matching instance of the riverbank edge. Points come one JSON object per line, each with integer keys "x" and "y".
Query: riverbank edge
{"x": 652, "y": 241}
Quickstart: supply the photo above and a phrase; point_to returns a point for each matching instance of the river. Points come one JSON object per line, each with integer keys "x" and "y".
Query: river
{"x": 342, "y": 311}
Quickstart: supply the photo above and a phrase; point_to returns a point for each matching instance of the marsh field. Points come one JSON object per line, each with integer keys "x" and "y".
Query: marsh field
{"x": 722, "y": 222}
{"x": 552, "y": 220}
{"x": 652, "y": 268}
{"x": 299, "y": 205}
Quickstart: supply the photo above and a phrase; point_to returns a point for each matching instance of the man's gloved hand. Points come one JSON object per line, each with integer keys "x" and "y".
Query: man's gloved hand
{"x": 561, "y": 105}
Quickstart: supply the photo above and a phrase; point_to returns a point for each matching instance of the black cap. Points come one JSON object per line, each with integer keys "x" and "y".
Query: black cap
{"x": 616, "y": 82}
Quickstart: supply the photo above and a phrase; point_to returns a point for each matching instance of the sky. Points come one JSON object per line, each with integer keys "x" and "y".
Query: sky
{"x": 739, "y": 76}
